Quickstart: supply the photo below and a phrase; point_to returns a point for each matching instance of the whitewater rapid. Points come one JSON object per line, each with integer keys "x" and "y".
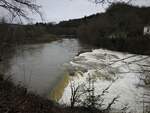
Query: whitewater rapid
{"x": 123, "y": 71}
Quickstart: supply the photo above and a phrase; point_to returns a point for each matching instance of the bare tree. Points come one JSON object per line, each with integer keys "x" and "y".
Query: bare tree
{"x": 76, "y": 93}
{"x": 91, "y": 101}
{"x": 20, "y": 8}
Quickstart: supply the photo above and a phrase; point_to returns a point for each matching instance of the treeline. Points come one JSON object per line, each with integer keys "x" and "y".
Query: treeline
{"x": 14, "y": 33}
{"x": 64, "y": 27}
{"x": 69, "y": 27}
{"x": 119, "y": 28}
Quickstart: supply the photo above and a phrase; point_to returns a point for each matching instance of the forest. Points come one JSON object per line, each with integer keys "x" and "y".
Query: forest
{"x": 119, "y": 28}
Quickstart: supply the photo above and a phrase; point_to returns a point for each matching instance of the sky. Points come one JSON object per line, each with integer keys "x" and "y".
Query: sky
{"x": 59, "y": 10}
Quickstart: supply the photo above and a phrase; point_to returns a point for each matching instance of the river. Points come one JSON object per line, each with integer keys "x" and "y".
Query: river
{"x": 122, "y": 74}
{"x": 41, "y": 67}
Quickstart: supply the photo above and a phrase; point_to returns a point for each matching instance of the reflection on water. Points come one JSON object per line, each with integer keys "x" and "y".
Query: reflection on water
{"x": 39, "y": 67}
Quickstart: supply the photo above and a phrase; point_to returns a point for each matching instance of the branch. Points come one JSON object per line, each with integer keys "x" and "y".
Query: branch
{"x": 111, "y": 103}
{"x": 18, "y": 7}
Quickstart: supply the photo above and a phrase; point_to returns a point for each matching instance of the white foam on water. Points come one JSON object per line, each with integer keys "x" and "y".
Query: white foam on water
{"x": 109, "y": 68}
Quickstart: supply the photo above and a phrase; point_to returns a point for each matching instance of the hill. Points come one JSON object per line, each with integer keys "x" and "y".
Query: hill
{"x": 119, "y": 28}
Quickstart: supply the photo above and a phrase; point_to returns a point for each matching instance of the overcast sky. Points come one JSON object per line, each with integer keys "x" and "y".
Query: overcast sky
{"x": 58, "y": 10}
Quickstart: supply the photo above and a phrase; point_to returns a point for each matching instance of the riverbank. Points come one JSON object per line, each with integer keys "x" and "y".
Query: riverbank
{"x": 16, "y": 99}
{"x": 125, "y": 34}
{"x": 7, "y": 47}
{"x": 14, "y": 35}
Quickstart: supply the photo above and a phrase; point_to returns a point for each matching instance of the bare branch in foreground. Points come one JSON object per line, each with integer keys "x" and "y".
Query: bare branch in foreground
{"x": 20, "y": 8}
